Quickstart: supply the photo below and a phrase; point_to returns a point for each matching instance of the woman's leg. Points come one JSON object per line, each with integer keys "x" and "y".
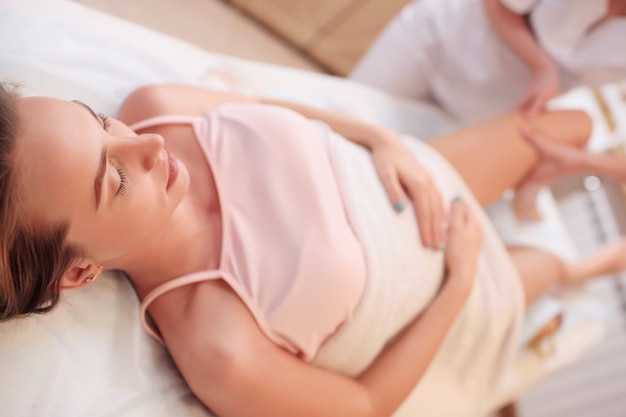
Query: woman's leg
{"x": 539, "y": 270}
{"x": 493, "y": 156}
{"x": 524, "y": 202}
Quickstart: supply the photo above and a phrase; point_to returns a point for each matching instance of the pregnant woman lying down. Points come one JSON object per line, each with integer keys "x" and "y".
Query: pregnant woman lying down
{"x": 294, "y": 262}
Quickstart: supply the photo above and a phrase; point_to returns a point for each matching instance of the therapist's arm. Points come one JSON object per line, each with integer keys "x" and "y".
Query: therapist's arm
{"x": 558, "y": 160}
{"x": 514, "y": 31}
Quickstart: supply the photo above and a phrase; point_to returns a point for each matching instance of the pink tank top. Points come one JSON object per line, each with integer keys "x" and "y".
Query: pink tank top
{"x": 288, "y": 249}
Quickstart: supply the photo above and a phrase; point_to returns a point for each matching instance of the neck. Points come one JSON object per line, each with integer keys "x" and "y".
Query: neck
{"x": 187, "y": 243}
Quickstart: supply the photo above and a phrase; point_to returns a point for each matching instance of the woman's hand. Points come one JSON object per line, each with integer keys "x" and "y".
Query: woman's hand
{"x": 464, "y": 243}
{"x": 545, "y": 85}
{"x": 404, "y": 178}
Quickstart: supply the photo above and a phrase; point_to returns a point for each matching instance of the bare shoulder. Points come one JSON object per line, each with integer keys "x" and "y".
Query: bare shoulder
{"x": 154, "y": 100}
{"x": 143, "y": 103}
{"x": 214, "y": 341}
{"x": 207, "y": 325}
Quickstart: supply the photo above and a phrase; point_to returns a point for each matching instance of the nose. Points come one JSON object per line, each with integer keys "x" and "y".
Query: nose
{"x": 145, "y": 148}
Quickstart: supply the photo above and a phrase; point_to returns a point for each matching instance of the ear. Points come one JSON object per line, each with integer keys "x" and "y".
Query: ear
{"x": 80, "y": 273}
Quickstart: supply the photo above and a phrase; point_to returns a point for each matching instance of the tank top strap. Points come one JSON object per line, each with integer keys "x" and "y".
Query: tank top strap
{"x": 176, "y": 283}
{"x": 164, "y": 119}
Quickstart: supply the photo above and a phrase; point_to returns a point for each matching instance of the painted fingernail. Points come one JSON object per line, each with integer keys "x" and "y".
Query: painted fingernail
{"x": 442, "y": 246}
{"x": 399, "y": 206}
{"x": 456, "y": 199}
{"x": 432, "y": 245}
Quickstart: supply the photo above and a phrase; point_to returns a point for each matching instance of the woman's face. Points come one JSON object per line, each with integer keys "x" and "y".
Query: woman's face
{"x": 115, "y": 188}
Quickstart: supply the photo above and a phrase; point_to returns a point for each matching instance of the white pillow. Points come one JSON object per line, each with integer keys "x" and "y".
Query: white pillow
{"x": 90, "y": 357}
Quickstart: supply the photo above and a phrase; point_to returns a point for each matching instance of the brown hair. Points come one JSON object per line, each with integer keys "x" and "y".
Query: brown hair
{"x": 33, "y": 255}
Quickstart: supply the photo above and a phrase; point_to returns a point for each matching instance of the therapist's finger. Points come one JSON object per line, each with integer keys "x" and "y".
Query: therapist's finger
{"x": 531, "y": 108}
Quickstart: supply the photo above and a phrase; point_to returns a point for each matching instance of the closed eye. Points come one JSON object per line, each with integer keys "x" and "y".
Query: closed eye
{"x": 106, "y": 121}
{"x": 121, "y": 190}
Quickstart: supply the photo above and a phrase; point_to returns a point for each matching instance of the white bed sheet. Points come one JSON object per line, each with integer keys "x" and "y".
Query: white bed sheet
{"x": 90, "y": 357}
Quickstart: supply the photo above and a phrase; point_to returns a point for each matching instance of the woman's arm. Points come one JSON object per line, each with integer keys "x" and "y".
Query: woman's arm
{"x": 400, "y": 173}
{"x": 516, "y": 34}
{"x": 388, "y": 377}
{"x": 159, "y": 99}
{"x": 402, "y": 176}
{"x": 155, "y": 100}
{"x": 237, "y": 372}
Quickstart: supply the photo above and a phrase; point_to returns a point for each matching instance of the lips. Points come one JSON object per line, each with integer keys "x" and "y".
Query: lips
{"x": 172, "y": 169}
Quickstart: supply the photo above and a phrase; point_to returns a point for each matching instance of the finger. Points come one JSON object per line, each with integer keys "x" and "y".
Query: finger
{"x": 464, "y": 213}
{"x": 424, "y": 216}
{"x": 455, "y": 215}
{"x": 439, "y": 218}
{"x": 527, "y": 132}
{"x": 422, "y": 193}
{"x": 534, "y": 107}
{"x": 470, "y": 219}
{"x": 473, "y": 223}
{"x": 395, "y": 192}
{"x": 525, "y": 102}
{"x": 532, "y": 136}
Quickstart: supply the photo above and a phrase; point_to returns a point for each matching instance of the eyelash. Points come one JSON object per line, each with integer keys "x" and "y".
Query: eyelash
{"x": 106, "y": 123}
{"x": 121, "y": 190}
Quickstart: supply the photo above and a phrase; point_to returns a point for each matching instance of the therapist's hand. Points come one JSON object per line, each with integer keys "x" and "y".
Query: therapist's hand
{"x": 545, "y": 85}
{"x": 404, "y": 180}
{"x": 555, "y": 160}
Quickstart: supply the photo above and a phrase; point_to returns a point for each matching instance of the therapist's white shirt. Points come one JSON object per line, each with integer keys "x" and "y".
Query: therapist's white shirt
{"x": 474, "y": 75}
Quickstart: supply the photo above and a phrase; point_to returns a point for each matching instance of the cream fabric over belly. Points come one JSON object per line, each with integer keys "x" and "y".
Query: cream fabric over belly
{"x": 403, "y": 277}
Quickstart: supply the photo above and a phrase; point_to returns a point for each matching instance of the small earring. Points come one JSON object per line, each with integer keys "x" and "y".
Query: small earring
{"x": 95, "y": 275}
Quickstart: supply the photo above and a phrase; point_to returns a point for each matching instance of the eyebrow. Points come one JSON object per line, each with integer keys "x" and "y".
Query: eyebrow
{"x": 90, "y": 110}
{"x": 103, "y": 158}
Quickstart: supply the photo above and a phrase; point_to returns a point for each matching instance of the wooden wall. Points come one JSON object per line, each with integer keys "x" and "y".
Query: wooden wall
{"x": 334, "y": 33}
